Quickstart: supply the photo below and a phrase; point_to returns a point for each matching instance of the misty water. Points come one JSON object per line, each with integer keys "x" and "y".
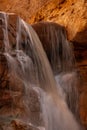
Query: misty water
{"x": 28, "y": 62}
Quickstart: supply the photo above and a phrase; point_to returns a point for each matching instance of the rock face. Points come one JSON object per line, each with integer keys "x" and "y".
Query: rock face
{"x": 25, "y": 9}
{"x": 61, "y": 57}
{"x": 20, "y": 105}
{"x": 54, "y": 40}
{"x": 17, "y": 125}
{"x": 70, "y": 13}
{"x": 12, "y": 91}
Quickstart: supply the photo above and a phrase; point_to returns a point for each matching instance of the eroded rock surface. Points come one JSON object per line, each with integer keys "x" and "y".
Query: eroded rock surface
{"x": 13, "y": 109}
{"x": 73, "y": 15}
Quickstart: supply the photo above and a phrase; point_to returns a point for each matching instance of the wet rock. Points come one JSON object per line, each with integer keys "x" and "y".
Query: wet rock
{"x": 80, "y": 51}
{"x": 60, "y": 55}
{"x": 70, "y": 14}
{"x": 57, "y": 47}
{"x": 73, "y": 16}
{"x": 14, "y": 104}
{"x": 18, "y": 125}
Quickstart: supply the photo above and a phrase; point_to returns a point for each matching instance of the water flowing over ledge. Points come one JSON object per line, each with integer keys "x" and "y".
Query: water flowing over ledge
{"x": 29, "y": 92}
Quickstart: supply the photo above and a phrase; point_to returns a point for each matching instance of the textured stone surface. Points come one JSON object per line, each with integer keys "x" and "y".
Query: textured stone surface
{"x": 70, "y": 13}
{"x": 55, "y": 48}
{"x": 58, "y": 49}
{"x": 17, "y": 125}
{"x": 24, "y": 8}
{"x": 81, "y": 62}
{"x": 12, "y": 89}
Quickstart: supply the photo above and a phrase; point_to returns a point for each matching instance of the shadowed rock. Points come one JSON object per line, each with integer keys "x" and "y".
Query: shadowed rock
{"x": 61, "y": 57}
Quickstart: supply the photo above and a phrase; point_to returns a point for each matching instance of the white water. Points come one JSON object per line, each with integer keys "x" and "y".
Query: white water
{"x": 29, "y": 63}
{"x": 68, "y": 82}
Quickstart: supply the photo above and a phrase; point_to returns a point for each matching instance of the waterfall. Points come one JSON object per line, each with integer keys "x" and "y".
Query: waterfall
{"x": 28, "y": 62}
{"x": 58, "y": 49}
{"x": 61, "y": 57}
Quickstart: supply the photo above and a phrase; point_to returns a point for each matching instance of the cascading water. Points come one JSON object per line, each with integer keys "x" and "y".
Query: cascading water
{"x": 58, "y": 49}
{"x": 28, "y": 63}
{"x": 60, "y": 54}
